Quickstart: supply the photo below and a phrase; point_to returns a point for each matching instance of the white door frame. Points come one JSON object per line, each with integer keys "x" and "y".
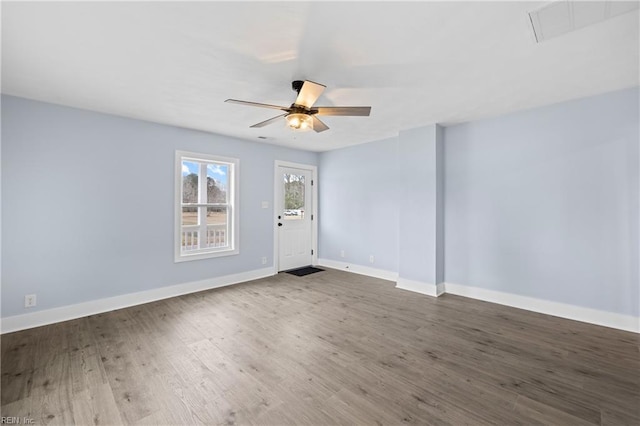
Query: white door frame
{"x": 314, "y": 210}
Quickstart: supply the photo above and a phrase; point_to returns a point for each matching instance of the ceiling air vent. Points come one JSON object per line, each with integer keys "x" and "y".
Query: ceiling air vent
{"x": 561, "y": 17}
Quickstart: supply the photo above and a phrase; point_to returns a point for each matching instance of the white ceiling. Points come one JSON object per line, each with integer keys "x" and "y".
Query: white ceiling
{"x": 415, "y": 63}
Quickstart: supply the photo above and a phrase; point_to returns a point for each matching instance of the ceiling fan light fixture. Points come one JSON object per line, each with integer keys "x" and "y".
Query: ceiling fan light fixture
{"x": 302, "y": 115}
{"x": 299, "y": 121}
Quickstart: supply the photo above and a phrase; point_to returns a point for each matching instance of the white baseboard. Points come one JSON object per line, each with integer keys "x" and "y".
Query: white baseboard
{"x": 558, "y": 309}
{"x": 69, "y": 312}
{"x": 429, "y": 289}
{"x": 359, "y": 269}
{"x": 562, "y": 310}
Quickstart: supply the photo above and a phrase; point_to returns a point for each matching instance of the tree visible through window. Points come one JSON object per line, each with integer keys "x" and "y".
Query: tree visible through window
{"x": 207, "y": 218}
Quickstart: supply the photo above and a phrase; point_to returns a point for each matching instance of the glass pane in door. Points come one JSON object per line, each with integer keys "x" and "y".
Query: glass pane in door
{"x": 293, "y": 197}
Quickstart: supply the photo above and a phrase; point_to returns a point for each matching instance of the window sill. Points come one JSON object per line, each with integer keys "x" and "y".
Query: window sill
{"x": 204, "y": 255}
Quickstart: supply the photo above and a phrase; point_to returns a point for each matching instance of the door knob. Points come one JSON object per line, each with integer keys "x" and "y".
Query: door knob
{"x": 279, "y": 224}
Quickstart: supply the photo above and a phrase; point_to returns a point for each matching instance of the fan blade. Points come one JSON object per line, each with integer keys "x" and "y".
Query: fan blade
{"x": 309, "y": 93}
{"x": 353, "y": 111}
{"x": 318, "y": 125}
{"x": 269, "y": 121}
{"x": 256, "y": 104}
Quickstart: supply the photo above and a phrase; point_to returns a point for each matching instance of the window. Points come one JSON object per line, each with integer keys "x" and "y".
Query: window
{"x": 206, "y": 206}
{"x": 293, "y": 196}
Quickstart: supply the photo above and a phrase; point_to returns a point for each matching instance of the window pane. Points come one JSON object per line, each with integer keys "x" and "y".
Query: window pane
{"x": 216, "y": 216}
{"x": 189, "y": 216}
{"x": 293, "y": 196}
{"x": 217, "y": 179}
{"x": 189, "y": 240}
{"x": 190, "y": 181}
{"x": 217, "y": 227}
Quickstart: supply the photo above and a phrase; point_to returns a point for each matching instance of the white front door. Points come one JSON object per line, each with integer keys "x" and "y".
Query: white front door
{"x": 294, "y": 214}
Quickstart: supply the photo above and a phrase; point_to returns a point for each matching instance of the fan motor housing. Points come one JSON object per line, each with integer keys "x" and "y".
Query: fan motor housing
{"x": 301, "y": 109}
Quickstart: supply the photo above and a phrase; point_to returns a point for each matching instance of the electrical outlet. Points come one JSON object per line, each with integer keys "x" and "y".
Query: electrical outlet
{"x": 29, "y": 300}
{"x": 341, "y": 253}
{"x": 264, "y": 260}
{"x": 371, "y": 258}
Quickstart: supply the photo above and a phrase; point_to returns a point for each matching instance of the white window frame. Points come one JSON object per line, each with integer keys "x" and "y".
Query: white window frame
{"x": 232, "y": 209}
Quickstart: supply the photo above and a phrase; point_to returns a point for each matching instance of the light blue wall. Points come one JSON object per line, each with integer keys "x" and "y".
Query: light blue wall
{"x": 380, "y": 199}
{"x": 544, "y": 203}
{"x": 440, "y": 213}
{"x": 540, "y": 203}
{"x": 87, "y": 204}
{"x": 418, "y": 208}
{"x": 358, "y": 197}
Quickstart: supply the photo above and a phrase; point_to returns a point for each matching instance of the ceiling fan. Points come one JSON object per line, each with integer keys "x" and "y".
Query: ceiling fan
{"x": 301, "y": 115}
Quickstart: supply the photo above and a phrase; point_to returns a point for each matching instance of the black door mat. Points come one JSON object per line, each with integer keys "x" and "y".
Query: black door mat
{"x": 301, "y": 272}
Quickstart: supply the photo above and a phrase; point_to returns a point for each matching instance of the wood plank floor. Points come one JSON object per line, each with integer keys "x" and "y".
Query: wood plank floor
{"x": 328, "y": 348}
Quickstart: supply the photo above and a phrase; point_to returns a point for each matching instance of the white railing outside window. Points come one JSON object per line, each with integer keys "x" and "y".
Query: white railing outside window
{"x": 216, "y": 237}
